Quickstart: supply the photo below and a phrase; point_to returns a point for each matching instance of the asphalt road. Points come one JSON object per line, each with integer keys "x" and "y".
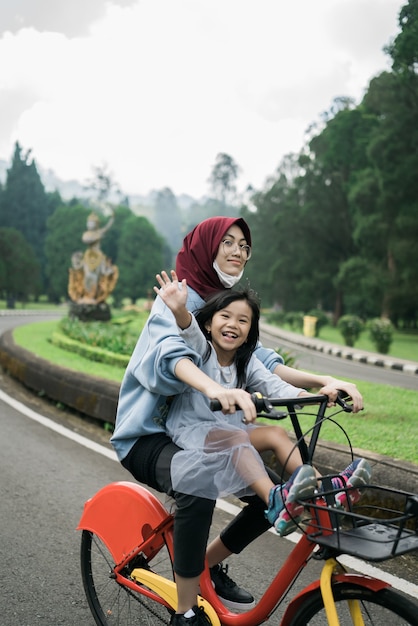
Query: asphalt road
{"x": 45, "y": 479}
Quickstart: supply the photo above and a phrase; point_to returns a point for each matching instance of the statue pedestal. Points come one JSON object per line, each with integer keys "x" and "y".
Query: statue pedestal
{"x": 99, "y": 312}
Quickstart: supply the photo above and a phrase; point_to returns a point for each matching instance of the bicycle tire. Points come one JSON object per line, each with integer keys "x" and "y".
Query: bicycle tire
{"x": 386, "y": 606}
{"x": 110, "y": 602}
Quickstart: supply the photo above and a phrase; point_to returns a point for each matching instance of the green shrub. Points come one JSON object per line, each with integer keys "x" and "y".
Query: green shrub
{"x": 381, "y": 333}
{"x": 295, "y": 320}
{"x": 351, "y": 327}
{"x": 276, "y": 317}
{"x": 89, "y": 352}
{"x": 288, "y": 358}
{"x": 119, "y": 338}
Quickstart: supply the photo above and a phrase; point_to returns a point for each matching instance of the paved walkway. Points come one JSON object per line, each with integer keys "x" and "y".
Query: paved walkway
{"x": 362, "y": 356}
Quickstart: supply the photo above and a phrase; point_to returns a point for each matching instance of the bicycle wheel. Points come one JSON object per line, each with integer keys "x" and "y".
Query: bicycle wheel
{"x": 110, "y": 602}
{"x": 377, "y": 608}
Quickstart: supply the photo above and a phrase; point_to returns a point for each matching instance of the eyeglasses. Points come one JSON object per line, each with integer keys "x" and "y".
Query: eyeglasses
{"x": 232, "y": 246}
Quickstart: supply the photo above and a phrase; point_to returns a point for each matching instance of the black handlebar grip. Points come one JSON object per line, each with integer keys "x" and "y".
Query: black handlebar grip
{"x": 215, "y": 405}
{"x": 343, "y": 404}
{"x": 261, "y": 404}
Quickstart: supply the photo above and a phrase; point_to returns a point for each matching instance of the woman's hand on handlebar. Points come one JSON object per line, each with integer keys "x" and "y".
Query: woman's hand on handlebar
{"x": 231, "y": 399}
{"x": 334, "y": 385}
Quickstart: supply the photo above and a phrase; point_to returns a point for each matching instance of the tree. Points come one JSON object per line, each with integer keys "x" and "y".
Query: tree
{"x": 24, "y": 205}
{"x": 19, "y": 267}
{"x": 392, "y": 98}
{"x": 103, "y": 185}
{"x": 110, "y": 242}
{"x": 168, "y": 219}
{"x": 222, "y": 179}
{"x": 65, "y": 228}
{"x": 339, "y": 222}
{"x": 140, "y": 258}
{"x": 273, "y": 228}
{"x": 404, "y": 48}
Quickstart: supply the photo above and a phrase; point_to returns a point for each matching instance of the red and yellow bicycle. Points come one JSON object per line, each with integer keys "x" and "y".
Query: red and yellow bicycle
{"x": 127, "y": 552}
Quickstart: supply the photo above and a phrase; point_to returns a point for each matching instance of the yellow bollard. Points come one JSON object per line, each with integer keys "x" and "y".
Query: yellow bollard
{"x": 309, "y": 325}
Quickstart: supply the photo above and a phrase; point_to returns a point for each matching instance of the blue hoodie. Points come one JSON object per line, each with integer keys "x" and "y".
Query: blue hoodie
{"x": 149, "y": 377}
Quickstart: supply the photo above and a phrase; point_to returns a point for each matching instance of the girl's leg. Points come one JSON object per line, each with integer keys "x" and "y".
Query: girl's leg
{"x": 241, "y": 463}
{"x": 275, "y": 438}
{"x": 187, "y": 592}
{"x": 246, "y": 462}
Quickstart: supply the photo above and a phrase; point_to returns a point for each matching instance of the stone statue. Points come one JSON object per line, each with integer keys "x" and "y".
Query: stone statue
{"x": 92, "y": 276}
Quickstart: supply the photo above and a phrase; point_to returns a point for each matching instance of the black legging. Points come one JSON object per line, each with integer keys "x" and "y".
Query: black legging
{"x": 149, "y": 462}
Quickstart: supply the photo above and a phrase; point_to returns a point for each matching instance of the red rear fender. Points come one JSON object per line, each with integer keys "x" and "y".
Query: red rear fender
{"x": 123, "y": 515}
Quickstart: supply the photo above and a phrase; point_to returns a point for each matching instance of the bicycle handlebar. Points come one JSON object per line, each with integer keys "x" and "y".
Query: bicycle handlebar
{"x": 266, "y": 405}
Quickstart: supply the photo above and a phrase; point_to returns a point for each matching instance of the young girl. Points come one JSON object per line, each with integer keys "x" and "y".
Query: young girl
{"x": 220, "y": 453}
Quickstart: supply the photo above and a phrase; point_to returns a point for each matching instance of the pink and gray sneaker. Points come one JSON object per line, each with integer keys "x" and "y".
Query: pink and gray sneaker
{"x": 283, "y": 509}
{"x": 350, "y": 481}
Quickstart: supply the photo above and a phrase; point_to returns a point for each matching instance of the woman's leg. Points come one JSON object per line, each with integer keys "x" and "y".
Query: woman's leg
{"x": 243, "y": 529}
{"x": 192, "y": 518}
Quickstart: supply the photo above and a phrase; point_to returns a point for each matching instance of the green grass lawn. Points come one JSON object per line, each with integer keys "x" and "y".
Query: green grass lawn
{"x": 35, "y": 338}
{"x": 388, "y": 425}
{"x": 42, "y": 305}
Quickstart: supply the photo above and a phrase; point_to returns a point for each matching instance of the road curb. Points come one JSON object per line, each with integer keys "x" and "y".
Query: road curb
{"x": 89, "y": 395}
{"x": 352, "y": 354}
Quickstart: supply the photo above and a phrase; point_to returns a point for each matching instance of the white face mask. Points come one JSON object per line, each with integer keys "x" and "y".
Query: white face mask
{"x": 227, "y": 280}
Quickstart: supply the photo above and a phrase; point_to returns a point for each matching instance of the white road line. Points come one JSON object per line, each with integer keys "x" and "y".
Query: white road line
{"x": 62, "y": 430}
{"x": 350, "y": 562}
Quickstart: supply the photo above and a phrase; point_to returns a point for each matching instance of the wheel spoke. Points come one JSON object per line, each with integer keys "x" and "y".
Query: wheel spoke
{"x": 111, "y": 603}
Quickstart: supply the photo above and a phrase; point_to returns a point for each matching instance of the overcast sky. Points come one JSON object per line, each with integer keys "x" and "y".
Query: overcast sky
{"x": 155, "y": 89}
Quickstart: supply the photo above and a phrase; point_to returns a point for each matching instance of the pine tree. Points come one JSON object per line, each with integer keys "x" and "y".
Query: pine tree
{"x": 24, "y": 203}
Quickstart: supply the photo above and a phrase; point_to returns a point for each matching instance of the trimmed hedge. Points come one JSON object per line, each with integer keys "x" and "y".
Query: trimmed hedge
{"x": 89, "y": 352}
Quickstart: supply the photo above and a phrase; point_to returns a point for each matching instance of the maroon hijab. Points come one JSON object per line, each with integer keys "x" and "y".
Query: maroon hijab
{"x": 195, "y": 259}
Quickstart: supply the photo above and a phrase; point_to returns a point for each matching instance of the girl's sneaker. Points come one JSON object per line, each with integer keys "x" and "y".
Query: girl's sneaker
{"x": 357, "y": 475}
{"x": 283, "y": 509}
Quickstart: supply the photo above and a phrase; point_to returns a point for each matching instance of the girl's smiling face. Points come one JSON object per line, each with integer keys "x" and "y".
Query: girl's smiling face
{"x": 229, "y": 330}
{"x": 231, "y": 257}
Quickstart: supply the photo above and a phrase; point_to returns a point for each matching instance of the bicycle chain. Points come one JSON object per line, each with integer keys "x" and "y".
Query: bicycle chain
{"x": 148, "y": 608}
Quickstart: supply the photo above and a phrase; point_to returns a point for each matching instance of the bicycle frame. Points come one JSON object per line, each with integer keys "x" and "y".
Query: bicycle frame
{"x": 115, "y": 513}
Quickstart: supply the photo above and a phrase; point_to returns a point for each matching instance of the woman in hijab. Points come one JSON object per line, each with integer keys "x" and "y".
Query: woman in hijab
{"x": 213, "y": 258}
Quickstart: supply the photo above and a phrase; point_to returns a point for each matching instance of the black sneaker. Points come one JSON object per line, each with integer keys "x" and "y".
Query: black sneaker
{"x": 232, "y": 596}
{"x": 199, "y": 618}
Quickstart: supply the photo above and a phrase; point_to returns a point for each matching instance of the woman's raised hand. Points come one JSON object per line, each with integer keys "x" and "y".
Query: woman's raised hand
{"x": 174, "y": 294}
{"x": 171, "y": 290}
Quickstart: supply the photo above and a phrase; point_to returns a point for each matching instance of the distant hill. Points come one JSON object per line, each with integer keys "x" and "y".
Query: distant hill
{"x": 69, "y": 189}
{"x": 4, "y": 166}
